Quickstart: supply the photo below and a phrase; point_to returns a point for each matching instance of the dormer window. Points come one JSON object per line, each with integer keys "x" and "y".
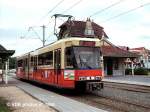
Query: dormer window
{"x": 89, "y": 32}
{"x": 88, "y": 28}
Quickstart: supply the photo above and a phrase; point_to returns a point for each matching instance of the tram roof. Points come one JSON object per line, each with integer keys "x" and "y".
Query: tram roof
{"x": 57, "y": 43}
{"x": 37, "y": 51}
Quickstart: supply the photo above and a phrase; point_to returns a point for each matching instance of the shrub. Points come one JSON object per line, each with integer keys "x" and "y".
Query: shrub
{"x": 137, "y": 71}
{"x": 128, "y": 71}
{"x": 141, "y": 71}
{"x": 3, "y": 106}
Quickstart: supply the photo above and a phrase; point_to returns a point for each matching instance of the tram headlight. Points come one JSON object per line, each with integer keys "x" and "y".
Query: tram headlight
{"x": 88, "y": 78}
{"x": 92, "y": 78}
{"x": 82, "y": 78}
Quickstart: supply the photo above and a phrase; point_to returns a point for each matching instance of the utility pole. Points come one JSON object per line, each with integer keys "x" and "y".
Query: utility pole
{"x": 36, "y": 33}
{"x": 6, "y": 72}
{"x": 43, "y": 40}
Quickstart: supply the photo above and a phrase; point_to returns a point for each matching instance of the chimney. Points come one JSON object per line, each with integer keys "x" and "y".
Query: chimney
{"x": 88, "y": 28}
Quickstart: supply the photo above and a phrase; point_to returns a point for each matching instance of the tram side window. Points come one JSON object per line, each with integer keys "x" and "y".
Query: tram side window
{"x": 51, "y": 58}
{"x": 25, "y": 62}
{"x": 45, "y": 58}
{"x": 68, "y": 58}
{"x": 32, "y": 61}
{"x": 20, "y": 63}
{"x": 35, "y": 60}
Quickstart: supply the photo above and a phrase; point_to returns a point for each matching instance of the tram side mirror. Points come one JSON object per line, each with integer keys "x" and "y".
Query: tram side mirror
{"x": 101, "y": 59}
{"x": 100, "y": 52}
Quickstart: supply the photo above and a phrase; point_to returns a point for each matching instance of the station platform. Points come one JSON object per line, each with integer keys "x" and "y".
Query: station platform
{"x": 129, "y": 79}
{"x": 56, "y": 101}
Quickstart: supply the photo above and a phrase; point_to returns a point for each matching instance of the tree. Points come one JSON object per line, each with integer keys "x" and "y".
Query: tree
{"x": 12, "y": 62}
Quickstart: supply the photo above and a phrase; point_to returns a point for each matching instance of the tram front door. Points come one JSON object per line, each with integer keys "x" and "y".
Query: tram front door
{"x": 57, "y": 65}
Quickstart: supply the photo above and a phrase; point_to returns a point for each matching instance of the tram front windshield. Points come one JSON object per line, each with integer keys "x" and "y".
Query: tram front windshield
{"x": 84, "y": 57}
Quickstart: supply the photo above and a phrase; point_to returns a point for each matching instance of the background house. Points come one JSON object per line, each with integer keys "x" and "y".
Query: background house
{"x": 144, "y": 56}
{"x": 115, "y": 58}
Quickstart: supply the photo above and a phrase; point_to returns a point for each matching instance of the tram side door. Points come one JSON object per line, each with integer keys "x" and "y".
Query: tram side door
{"x": 57, "y": 65}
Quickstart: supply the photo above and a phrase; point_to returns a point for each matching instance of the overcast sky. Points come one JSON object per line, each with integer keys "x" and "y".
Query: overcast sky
{"x": 16, "y": 16}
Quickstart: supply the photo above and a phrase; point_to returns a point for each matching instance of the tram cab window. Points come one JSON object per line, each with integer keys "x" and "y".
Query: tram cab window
{"x": 82, "y": 58}
{"x": 87, "y": 57}
{"x": 45, "y": 58}
{"x": 69, "y": 58}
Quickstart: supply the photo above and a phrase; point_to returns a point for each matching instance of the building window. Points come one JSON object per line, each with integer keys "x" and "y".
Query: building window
{"x": 89, "y": 32}
{"x": 116, "y": 64}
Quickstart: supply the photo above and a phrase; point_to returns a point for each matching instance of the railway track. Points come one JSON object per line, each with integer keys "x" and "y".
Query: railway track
{"x": 117, "y": 104}
{"x": 111, "y": 105}
{"x": 128, "y": 87}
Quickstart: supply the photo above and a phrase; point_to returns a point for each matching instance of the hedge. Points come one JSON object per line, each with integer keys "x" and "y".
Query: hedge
{"x": 138, "y": 71}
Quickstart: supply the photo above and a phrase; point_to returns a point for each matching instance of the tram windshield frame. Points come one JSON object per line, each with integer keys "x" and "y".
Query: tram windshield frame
{"x": 83, "y": 57}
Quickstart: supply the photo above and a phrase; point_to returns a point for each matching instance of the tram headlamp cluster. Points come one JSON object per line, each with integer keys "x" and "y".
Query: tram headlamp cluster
{"x": 90, "y": 78}
{"x": 82, "y": 78}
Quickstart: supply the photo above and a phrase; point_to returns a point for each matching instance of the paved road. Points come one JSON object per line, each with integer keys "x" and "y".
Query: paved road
{"x": 140, "y": 80}
{"x": 61, "y": 103}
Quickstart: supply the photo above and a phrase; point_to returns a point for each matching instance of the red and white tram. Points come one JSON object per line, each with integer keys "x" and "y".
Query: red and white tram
{"x": 66, "y": 63}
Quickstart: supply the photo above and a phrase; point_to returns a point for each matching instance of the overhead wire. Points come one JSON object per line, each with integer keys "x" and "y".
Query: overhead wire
{"x": 106, "y": 8}
{"x": 36, "y": 33}
{"x": 43, "y": 18}
{"x": 50, "y": 12}
{"x": 72, "y": 6}
{"x": 126, "y": 12}
{"x": 52, "y": 9}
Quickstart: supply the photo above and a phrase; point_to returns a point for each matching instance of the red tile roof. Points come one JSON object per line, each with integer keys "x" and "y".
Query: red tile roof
{"x": 139, "y": 48}
{"x": 113, "y": 51}
{"x": 77, "y": 29}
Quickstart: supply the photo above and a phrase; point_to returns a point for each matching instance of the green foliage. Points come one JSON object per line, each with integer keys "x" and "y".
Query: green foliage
{"x": 138, "y": 71}
{"x": 12, "y": 63}
{"x": 128, "y": 71}
{"x": 141, "y": 71}
{"x": 0, "y": 65}
{"x": 3, "y": 106}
